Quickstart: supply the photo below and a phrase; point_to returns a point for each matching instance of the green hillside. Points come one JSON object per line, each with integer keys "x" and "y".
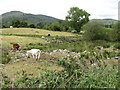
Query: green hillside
{"x": 31, "y": 18}
{"x": 106, "y": 21}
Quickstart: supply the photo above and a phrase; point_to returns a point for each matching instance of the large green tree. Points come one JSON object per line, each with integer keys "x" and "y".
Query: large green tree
{"x": 77, "y": 18}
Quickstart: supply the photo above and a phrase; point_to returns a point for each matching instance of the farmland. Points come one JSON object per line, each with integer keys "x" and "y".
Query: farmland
{"x": 67, "y": 61}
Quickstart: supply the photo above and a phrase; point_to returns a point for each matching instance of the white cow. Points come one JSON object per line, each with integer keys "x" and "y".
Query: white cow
{"x": 11, "y": 26}
{"x": 35, "y": 53}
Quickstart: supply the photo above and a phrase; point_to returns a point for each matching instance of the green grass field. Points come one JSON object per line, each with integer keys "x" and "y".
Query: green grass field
{"x": 7, "y": 41}
{"x": 31, "y": 31}
{"x": 25, "y": 36}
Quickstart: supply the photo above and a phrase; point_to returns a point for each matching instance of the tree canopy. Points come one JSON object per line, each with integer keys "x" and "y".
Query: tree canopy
{"x": 77, "y": 18}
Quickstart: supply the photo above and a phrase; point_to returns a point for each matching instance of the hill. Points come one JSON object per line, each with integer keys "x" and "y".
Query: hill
{"x": 31, "y": 18}
{"x": 106, "y": 21}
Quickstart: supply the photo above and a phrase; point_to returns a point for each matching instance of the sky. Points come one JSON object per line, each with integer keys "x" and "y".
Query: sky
{"x": 98, "y": 9}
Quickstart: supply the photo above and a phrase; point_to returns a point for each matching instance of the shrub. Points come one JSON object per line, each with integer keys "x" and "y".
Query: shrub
{"x": 117, "y": 46}
{"x": 5, "y": 57}
{"x": 106, "y": 45}
{"x": 95, "y": 31}
{"x": 77, "y": 73}
{"x": 116, "y": 28}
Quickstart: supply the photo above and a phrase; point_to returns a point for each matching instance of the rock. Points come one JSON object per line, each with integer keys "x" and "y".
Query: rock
{"x": 65, "y": 50}
{"x": 17, "y": 58}
{"x": 118, "y": 57}
{"x": 43, "y": 37}
{"x": 1, "y": 64}
{"x": 20, "y": 56}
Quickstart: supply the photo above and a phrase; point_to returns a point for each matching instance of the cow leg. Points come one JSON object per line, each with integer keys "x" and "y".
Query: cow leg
{"x": 33, "y": 56}
{"x": 38, "y": 55}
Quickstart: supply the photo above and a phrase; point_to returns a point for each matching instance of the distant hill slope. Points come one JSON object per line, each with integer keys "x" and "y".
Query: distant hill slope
{"x": 106, "y": 21}
{"x": 31, "y": 18}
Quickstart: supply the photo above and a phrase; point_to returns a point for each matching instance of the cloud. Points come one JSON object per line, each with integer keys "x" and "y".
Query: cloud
{"x": 107, "y": 15}
{"x": 59, "y": 8}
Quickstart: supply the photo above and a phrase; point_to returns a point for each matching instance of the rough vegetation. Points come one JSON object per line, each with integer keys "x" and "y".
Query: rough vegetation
{"x": 65, "y": 62}
{"x": 86, "y": 58}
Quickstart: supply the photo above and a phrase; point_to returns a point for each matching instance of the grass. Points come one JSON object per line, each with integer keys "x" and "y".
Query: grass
{"x": 25, "y": 36}
{"x": 72, "y": 76}
{"x": 31, "y": 31}
{"x": 7, "y": 41}
{"x": 30, "y": 67}
{"x": 63, "y": 72}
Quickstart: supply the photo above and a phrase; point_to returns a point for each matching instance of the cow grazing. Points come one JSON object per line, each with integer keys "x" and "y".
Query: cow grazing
{"x": 11, "y": 26}
{"x": 16, "y": 46}
{"x": 35, "y": 53}
{"x": 49, "y": 35}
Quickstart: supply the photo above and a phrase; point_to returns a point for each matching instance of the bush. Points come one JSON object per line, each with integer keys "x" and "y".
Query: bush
{"x": 96, "y": 31}
{"x": 117, "y": 46}
{"x": 5, "y": 57}
{"x": 106, "y": 45}
{"x": 116, "y": 28}
{"x": 75, "y": 75}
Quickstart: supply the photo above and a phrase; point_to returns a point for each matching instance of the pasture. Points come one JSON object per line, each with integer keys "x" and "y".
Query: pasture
{"x": 66, "y": 60}
{"x": 32, "y": 31}
{"x": 25, "y": 36}
{"x": 7, "y": 41}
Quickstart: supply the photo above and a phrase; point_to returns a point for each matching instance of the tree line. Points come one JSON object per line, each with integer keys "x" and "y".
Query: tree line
{"x": 76, "y": 21}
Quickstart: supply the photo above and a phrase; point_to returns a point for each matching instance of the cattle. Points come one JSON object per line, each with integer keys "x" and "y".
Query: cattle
{"x": 34, "y": 52}
{"x": 49, "y": 35}
{"x": 16, "y": 46}
{"x": 11, "y": 26}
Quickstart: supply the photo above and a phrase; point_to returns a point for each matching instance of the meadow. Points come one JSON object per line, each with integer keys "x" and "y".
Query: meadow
{"x": 32, "y": 31}
{"x": 24, "y": 36}
{"x": 83, "y": 65}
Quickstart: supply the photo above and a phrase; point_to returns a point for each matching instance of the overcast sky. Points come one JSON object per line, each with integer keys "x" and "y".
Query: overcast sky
{"x": 99, "y": 9}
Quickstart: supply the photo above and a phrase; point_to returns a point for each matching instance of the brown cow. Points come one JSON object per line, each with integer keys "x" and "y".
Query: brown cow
{"x": 16, "y": 46}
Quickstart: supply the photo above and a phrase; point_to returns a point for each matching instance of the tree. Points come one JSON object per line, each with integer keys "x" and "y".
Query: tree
{"x": 23, "y": 24}
{"x": 40, "y": 25}
{"x": 32, "y": 26}
{"x": 18, "y": 23}
{"x": 15, "y": 23}
{"x": 56, "y": 26}
{"x": 77, "y": 18}
{"x": 5, "y": 25}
